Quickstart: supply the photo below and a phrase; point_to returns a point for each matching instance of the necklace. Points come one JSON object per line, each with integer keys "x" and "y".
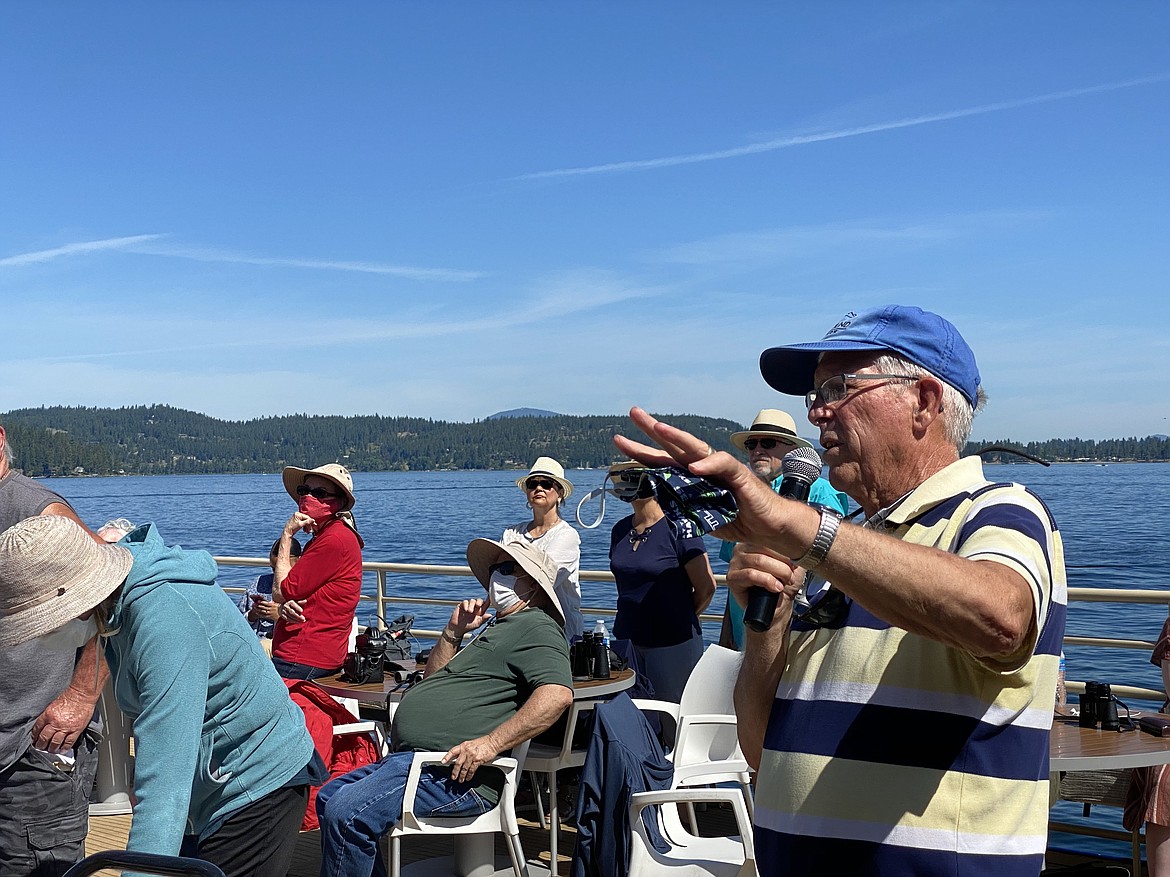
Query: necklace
{"x": 636, "y": 538}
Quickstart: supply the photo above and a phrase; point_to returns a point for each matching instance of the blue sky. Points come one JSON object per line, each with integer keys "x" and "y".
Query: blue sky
{"x": 447, "y": 210}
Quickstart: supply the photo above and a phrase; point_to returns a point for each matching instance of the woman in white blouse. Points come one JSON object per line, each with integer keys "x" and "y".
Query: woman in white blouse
{"x": 546, "y": 487}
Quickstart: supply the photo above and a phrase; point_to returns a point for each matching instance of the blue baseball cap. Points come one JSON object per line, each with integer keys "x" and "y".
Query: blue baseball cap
{"x": 924, "y": 338}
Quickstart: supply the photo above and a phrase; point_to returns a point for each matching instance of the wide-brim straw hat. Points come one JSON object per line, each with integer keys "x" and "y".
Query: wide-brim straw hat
{"x": 483, "y": 553}
{"x": 335, "y": 472}
{"x": 554, "y": 470}
{"x": 52, "y": 571}
{"x": 774, "y": 424}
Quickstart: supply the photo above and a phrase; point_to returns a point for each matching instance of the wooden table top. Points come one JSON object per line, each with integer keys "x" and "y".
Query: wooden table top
{"x": 1072, "y": 748}
{"x": 375, "y": 692}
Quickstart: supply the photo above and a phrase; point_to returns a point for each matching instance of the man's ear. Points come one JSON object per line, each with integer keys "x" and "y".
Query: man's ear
{"x": 930, "y": 399}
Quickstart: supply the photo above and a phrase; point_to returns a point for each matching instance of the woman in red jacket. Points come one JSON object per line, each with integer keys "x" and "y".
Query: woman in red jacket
{"x": 319, "y": 595}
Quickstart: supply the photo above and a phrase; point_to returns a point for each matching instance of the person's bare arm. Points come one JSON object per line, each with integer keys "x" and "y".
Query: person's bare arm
{"x": 297, "y": 521}
{"x": 543, "y": 707}
{"x": 698, "y": 570}
{"x": 58, "y": 727}
{"x": 982, "y": 607}
{"x": 468, "y": 615}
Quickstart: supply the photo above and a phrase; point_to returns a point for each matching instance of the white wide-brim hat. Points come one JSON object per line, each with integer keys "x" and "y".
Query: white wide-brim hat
{"x": 774, "y": 424}
{"x": 335, "y": 472}
{"x": 483, "y": 553}
{"x": 554, "y": 470}
{"x": 52, "y": 571}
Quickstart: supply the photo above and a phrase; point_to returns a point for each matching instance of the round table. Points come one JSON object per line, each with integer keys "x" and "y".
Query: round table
{"x": 1073, "y": 748}
{"x": 375, "y": 693}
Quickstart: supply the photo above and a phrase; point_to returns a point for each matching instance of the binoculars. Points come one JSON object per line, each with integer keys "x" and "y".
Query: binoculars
{"x": 589, "y": 657}
{"x": 1098, "y": 707}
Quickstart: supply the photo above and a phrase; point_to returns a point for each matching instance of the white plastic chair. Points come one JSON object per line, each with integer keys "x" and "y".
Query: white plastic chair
{"x": 543, "y": 758}
{"x": 500, "y": 818}
{"x": 690, "y": 855}
{"x": 706, "y": 745}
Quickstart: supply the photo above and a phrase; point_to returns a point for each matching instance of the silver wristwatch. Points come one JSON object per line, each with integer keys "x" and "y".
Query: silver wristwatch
{"x": 823, "y": 541}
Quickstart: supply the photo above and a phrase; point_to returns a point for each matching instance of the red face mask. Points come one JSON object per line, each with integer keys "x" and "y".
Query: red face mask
{"x": 320, "y": 510}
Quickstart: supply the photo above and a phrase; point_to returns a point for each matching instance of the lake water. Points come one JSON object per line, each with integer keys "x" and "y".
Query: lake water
{"x": 1113, "y": 534}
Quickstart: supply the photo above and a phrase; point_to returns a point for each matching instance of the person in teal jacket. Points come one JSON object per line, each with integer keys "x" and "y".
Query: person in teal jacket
{"x": 223, "y": 760}
{"x": 771, "y": 436}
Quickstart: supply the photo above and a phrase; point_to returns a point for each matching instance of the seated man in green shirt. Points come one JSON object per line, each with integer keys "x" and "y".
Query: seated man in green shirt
{"x": 510, "y": 683}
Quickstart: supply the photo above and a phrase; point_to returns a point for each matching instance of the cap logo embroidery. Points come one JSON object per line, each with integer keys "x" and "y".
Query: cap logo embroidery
{"x": 844, "y": 323}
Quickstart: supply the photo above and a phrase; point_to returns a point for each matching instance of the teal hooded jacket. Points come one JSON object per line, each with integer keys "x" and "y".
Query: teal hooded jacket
{"x": 214, "y": 727}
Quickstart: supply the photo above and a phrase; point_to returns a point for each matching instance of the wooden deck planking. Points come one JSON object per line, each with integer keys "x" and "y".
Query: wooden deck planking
{"x": 111, "y": 833}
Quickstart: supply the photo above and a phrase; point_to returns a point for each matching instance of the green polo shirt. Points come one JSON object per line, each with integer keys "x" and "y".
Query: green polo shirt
{"x": 484, "y": 685}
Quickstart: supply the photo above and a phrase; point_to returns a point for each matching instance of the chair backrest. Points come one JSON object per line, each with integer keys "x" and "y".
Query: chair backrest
{"x": 707, "y": 743}
{"x": 712, "y": 683}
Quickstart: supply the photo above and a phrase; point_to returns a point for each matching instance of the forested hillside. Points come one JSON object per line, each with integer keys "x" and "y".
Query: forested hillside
{"x": 158, "y": 439}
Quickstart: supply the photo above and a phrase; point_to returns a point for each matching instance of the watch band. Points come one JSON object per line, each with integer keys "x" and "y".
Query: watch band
{"x": 823, "y": 541}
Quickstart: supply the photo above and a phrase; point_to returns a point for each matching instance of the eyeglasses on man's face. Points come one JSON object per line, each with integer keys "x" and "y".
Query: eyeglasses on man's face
{"x": 316, "y": 492}
{"x": 766, "y": 443}
{"x": 542, "y": 483}
{"x": 835, "y": 389}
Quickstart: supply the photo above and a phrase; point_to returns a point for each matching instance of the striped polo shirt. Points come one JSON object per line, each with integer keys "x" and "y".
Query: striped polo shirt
{"x": 889, "y": 753}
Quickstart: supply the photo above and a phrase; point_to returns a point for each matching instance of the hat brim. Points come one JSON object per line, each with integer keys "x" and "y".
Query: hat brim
{"x": 77, "y": 595}
{"x": 784, "y": 438}
{"x": 482, "y": 554}
{"x": 293, "y": 477}
{"x": 566, "y": 485}
{"x": 790, "y": 369}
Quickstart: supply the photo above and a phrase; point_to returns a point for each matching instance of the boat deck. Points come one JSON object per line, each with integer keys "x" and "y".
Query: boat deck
{"x": 110, "y": 832}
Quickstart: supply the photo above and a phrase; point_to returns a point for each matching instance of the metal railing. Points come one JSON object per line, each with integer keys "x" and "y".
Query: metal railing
{"x": 383, "y": 598}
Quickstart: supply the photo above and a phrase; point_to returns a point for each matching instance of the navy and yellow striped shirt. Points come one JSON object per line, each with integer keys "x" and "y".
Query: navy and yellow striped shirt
{"x": 890, "y": 753}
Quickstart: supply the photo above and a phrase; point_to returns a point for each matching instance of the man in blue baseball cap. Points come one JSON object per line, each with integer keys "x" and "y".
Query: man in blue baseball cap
{"x": 899, "y": 719}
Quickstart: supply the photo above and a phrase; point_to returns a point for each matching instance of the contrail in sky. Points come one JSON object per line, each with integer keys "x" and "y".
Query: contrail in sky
{"x": 143, "y": 244}
{"x": 77, "y": 249}
{"x": 801, "y": 139}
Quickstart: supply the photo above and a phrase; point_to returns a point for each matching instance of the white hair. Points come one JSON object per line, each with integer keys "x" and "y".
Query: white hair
{"x": 958, "y": 413}
{"x": 9, "y": 454}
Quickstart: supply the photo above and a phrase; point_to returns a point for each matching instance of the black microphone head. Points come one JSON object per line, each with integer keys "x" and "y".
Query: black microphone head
{"x": 803, "y": 464}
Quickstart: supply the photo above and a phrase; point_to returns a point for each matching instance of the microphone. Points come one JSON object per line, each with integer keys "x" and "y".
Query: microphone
{"x": 800, "y": 468}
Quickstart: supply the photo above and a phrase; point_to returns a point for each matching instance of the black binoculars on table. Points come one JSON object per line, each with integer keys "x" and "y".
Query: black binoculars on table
{"x": 1098, "y": 707}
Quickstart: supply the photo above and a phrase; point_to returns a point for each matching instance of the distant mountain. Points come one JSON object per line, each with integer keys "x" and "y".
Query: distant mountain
{"x": 522, "y": 412}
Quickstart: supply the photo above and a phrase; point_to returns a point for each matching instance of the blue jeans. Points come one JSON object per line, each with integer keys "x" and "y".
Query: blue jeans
{"x": 290, "y": 670}
{"x": 356, "y": 809}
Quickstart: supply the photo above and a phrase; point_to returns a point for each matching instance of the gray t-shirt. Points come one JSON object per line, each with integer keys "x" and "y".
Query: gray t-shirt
{"x": 31, "y": 676}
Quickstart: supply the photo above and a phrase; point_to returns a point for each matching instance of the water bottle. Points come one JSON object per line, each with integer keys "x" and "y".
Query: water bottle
{"x": 601, "y": 632}
{"x": 600, "y": 651}
{"x": 1061, "y": 692}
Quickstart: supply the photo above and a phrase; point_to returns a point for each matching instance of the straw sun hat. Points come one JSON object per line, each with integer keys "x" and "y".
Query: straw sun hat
{"x": 774, "y": 424}
{"x": 554, "y": 470}
{"x": 52, "y": 571}
{"x": 335, "y": 472}
{"x": 483, "y": 553}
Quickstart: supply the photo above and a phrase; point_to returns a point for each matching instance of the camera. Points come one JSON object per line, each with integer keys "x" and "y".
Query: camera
{"x": 1098, "y": 707}
{"x": 367, "y": 663}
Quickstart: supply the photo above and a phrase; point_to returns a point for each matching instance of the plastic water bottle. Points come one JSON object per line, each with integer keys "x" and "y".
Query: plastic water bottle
{"x": 601, "y": 632}
{"x": 1061, "y": 692}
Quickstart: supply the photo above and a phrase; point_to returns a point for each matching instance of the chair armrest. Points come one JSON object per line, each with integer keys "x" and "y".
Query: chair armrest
{"x": 641, "y": 800}
{"x": 506, "y": 764}
{"x": 666, "y": 707}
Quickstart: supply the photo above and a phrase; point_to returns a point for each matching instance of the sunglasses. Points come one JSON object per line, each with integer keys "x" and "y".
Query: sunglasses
{"x": 316, "y": 492}
{"x": 504, "y": 567}
{"x": 542, "y": 483}
{"x": 767, "y": 444}
{"x": 826, "y": 609}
